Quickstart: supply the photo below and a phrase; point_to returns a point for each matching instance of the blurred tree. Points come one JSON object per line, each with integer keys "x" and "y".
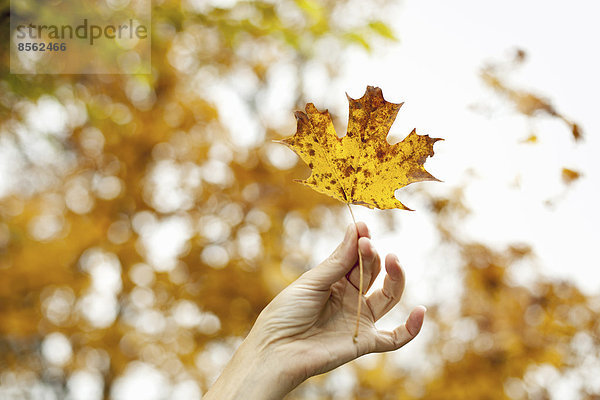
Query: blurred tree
{"x": 495, "y": 76}
{"x": 144, "y": 225}
{"x": 141, "y": 226}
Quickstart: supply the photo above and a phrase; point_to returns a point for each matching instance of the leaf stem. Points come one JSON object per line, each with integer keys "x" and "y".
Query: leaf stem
{"x": 360, "y": 284}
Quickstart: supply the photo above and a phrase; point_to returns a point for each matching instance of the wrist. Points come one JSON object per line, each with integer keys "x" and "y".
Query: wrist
{"x": 254, "y": 372}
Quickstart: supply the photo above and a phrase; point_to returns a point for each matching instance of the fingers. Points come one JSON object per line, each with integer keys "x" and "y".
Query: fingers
{"x": 371, "y": 264}
{"x": 383, "y": 300}
{"x": 389, "y": 341}
{"x": 363, "y": 229}
{"x": 339, "y": 262}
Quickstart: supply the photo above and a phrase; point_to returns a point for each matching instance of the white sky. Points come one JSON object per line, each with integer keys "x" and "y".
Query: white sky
{"x": 434, "y": 70}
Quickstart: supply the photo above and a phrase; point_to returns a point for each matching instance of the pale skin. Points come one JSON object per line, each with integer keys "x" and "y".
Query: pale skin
{"x": 308, "y": 328}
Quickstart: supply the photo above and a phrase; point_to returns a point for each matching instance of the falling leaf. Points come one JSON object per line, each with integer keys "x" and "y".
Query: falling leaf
{"x": 361, "y": 167}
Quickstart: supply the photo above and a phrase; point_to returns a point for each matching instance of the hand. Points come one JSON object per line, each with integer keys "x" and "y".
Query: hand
{"x": 308, "y": 328}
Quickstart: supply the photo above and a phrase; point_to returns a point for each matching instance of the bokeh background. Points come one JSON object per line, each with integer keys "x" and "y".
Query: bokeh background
{"x": 145, "y": 220}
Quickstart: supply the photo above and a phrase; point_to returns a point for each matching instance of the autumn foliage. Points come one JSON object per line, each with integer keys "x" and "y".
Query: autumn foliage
{"x": 142, "y": 230}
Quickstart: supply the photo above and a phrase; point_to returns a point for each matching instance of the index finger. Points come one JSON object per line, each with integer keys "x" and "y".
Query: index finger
{"x": 383, "y": 300}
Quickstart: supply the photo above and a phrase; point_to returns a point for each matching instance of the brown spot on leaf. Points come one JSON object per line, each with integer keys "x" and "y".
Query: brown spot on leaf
{"x": 349, "y": 170}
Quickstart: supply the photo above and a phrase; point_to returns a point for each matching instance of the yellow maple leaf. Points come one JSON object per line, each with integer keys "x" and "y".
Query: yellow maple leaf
{"x": 361, "y": 167}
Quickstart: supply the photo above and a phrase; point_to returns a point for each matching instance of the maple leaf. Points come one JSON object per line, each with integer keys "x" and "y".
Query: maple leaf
{"x": 361, "y": 167}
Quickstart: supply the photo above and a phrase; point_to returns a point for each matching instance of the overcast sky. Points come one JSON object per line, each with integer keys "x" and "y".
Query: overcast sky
{"x": 434, "y": 70}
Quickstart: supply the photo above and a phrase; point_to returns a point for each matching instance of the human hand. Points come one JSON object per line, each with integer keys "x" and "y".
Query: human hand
{"x": 308, "y": 328}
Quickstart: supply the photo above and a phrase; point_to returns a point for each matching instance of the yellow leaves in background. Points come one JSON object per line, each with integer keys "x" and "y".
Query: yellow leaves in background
{"x": 525, "y": 102}
{"x": 569, "y": 175}
{"x": 362, "y": 167}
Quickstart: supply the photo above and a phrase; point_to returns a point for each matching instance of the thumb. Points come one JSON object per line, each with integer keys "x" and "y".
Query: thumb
{"x": 337, "y": 264}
